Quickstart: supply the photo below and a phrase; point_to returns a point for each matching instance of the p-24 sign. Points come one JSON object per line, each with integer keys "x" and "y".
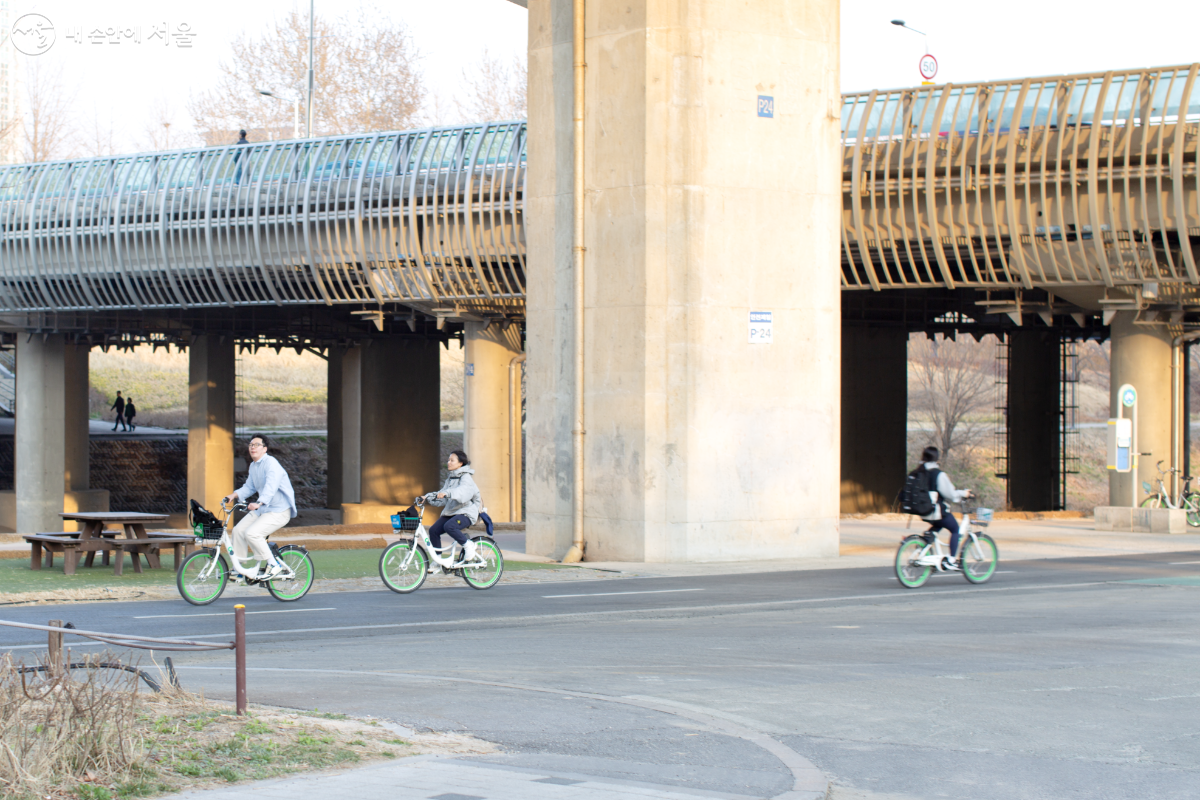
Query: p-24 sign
{"x": 766, "y": 106}
{"x": 760, "y": 327}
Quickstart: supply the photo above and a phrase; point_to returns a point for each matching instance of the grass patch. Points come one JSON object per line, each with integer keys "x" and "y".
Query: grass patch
{"x": 16, "y": 576}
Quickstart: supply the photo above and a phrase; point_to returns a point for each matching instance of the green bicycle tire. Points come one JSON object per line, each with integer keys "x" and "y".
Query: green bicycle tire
{"x": 488, "y": 575}
{"x": 194, "y": 589}
{"x": 300, "y": 562}
{"x": 1191, "y": 504}
{"x": 910, "y": 575}
{"x": 406, "y": 580}
{"x": 979, "y": 560}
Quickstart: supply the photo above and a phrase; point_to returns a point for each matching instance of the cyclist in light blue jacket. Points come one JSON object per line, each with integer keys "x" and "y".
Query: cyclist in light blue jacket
{"x": 461, "y": 504}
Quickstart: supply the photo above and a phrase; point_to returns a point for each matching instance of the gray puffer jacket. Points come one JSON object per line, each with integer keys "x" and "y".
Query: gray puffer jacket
{"x": 462, "y": 495}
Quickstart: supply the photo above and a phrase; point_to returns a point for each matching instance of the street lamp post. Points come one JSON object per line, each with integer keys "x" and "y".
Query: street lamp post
{"x": 928, "y": 62}
{"x": 295, "y": 110}
{"x": 311, "y": 30}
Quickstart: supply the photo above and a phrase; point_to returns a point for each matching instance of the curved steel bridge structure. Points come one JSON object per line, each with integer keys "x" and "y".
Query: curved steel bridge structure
{"x": 1070, "y": 181}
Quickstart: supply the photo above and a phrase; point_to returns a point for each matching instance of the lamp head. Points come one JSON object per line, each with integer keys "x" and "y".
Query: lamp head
{"x": 899, "y": 22}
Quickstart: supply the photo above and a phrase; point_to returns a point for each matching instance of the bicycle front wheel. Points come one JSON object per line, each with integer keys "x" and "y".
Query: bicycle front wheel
{"x": 487, "y": 574}
{"x": 979, "y": 558}
{"x": 401, "y": 573}
{"x": 300, "y": 563}
{"x": 1153, "y": 501}
{"x": 1191, "y": 504}
{"x": 202, "y": 577}
{"x": 911, "y": 574}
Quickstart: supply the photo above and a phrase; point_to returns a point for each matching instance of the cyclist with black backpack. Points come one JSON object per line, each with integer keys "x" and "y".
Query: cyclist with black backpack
{"x": 938, "y": 490}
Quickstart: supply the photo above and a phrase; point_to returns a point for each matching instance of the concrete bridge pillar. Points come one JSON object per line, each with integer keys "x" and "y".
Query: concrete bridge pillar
{"x": 385, "y": 445}
{"x": 51, "y": 442}
{"x": 874, "y": 417}
{"x": 490, "y": 351}
{"x": 1141, "y": 355}
{"x": 713, "y": 189}
{"x": 1034, "y": 419}
{"x": 211, "y": 377}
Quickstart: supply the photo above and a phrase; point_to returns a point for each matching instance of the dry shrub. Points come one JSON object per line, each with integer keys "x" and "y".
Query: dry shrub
{"x": 58, "y": 727}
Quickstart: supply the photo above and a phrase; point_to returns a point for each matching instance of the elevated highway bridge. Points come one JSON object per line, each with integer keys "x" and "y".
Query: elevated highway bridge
{"x": 1083, "y": 185}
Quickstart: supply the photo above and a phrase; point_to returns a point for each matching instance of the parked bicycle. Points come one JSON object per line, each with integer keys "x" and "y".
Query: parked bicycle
{"x": 920, "y": 554}
{"x": 203, "y": 575}
{"x": 1187, "y": 499}
{"x": 404, "y": 564}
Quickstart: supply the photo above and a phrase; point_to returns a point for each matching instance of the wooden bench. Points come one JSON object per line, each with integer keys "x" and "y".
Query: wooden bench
{"x": 68, "y": 544}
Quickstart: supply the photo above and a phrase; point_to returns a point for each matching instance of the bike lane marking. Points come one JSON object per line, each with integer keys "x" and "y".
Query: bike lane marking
{"x": 229, "y": 613}
{"x": 614, "y": 594}
{"x": 910, "y": 593}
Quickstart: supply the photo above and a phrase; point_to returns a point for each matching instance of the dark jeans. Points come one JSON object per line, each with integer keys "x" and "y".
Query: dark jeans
{"x": 120, "y": 421}
{"x": 451, "y": 525}
{"x": 949, "y": 523}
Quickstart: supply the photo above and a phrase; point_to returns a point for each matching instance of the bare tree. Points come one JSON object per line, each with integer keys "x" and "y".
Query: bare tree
{"x": 99, "y": 139}
{"x": 954, "y": 385}
{"x": 46, "y": 126}
{"x": 496, "y": 90}
{"x": 367, "y": 79}
{"x": 161, "y": 132}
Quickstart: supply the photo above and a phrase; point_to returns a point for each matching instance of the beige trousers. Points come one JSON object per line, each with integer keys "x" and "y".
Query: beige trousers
{"x": 253, "y": 531}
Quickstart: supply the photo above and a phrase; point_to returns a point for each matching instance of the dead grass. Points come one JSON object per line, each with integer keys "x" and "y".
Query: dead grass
{"x": 88, "y": 734}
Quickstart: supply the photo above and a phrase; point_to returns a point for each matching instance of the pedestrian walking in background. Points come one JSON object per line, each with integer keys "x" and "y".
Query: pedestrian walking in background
{"x": 237, "y": 178}
{"x": 130, "y": 413}
{"x": 119, "y": 407}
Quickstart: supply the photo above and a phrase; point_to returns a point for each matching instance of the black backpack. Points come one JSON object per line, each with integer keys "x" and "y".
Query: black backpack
{"x": 914, "y": 497}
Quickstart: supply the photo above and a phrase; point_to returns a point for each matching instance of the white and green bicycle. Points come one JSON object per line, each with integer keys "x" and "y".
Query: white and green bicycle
{"x": 203, "y": 575}
{"x": 920, "y": 554}
{"x": 405, "y": 564}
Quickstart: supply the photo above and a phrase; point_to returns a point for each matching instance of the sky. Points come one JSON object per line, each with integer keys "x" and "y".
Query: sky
{"x": 119, "y": 84}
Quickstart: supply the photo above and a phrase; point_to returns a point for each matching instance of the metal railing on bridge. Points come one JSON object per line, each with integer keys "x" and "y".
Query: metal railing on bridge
{"x": 1077, "y": 179}
{"x": 429, "y": 217}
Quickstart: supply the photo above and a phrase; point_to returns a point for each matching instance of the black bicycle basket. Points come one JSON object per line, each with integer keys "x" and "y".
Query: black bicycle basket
{"x": 406, "y": 520}
{"x": 205, "y": 524}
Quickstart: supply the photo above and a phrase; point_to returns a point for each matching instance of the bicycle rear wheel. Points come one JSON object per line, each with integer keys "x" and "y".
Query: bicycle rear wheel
{"x": 201, "y": 581}
{"x": 979, "y": 558}
{"x": 299, "y": 562}
{"x": 910, "y": 574}
{"x": 486, "y": 575}
{"x": 398, "y": 576}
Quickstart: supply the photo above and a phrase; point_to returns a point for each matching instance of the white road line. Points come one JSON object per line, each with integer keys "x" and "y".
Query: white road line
{"x": 1181, "y": 563}
{"x": 613, "y": 594}
{"x": 230, "y": 613}
{"x": 911, "y": 594}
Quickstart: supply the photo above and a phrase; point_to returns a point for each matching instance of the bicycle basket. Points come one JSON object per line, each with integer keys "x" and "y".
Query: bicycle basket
{"x": 406, "y": 520}
{"x": 205, "y": 524}
{"x": 982, "y": 516}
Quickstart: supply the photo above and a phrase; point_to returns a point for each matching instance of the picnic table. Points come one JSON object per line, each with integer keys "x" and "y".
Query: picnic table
{"x": 93, "y": 538}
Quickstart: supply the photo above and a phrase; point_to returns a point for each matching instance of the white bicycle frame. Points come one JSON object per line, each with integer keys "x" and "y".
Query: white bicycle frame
{"x": 940, "y": 551}
{"x": 421, "y": 537}
{"x": 238, "y": 566}
{"x": 1165, "y": 496}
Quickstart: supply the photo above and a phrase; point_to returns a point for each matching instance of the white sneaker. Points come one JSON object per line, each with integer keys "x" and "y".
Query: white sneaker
{"x": 270, "y": 571}
{"x": 469, "y": 552}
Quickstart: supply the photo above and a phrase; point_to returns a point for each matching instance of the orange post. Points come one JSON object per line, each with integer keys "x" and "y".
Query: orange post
{"x": 239, "y": 639}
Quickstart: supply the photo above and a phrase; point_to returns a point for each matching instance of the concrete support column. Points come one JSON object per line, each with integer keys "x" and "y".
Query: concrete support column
{"x": 698, "y": 445}
{"x": 487, "y": 415}
{"x": 874, "y": 417}
{"x": 1034, "y": 420}
{"x": 40, "y": 441}
{"x": 211, "y": 374}
{"x": 344, "y": 467}
{"x": 390, "y": 438}
{"x": 1141, "y": 355}
{"x": 75, "y": 417}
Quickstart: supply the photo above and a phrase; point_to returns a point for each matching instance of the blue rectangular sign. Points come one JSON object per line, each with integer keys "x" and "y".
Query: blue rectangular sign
{"x": 766, "y": 106}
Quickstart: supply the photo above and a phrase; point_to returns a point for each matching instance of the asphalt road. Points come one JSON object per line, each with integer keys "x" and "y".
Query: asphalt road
{"x": 1058, "y": 679}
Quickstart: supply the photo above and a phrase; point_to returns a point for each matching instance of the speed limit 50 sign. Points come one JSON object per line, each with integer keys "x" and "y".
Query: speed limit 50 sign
{"x": 928, "y": 67}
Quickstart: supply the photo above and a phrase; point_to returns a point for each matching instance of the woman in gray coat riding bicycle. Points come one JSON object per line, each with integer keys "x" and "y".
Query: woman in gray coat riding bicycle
{"x": 461, "y": 503}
